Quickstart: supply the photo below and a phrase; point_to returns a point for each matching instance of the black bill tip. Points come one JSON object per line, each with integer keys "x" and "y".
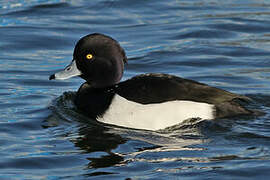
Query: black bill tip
{"x": 52, "y": 77}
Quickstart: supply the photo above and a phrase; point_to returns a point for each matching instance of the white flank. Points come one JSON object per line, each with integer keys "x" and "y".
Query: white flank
{"x": 123, "y": 112}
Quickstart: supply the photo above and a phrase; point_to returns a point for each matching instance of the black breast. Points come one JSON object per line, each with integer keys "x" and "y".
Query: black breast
{"x": 93, "y": 101}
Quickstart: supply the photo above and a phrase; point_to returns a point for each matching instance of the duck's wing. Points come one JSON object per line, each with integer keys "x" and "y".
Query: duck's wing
{"x": 157, "y": 88}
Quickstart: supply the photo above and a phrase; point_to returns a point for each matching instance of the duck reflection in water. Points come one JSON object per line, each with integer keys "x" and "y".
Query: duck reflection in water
{"x": 98, "y": 139}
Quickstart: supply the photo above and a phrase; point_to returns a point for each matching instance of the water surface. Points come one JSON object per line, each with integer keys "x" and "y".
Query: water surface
{"x": 222, "y": 43}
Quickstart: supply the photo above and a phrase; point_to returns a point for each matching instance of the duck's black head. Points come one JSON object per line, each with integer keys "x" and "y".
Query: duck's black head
{"x": 98, "y": 59}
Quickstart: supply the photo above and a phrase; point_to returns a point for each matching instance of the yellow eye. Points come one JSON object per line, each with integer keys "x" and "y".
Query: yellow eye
{"x": 89, "y": 56}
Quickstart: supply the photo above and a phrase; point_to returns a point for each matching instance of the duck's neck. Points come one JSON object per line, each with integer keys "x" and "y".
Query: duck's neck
{"x": 94, "y": 101}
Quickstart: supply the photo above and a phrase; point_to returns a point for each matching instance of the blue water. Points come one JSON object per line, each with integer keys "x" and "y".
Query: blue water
{"x": 225, "y": 44}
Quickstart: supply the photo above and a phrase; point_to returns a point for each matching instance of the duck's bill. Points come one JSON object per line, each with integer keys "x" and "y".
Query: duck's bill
{"x": 70, "y": 71}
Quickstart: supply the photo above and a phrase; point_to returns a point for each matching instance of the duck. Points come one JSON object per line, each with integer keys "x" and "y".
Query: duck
{"x": 151, "y": 101}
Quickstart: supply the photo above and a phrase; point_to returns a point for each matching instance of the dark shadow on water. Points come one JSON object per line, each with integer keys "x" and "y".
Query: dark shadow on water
{"x": 97, "y": 139}
{"x": 93, "y": 138}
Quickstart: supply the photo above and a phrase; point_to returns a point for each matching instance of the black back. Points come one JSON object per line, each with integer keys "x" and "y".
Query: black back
{"x": 156, "y": 88}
